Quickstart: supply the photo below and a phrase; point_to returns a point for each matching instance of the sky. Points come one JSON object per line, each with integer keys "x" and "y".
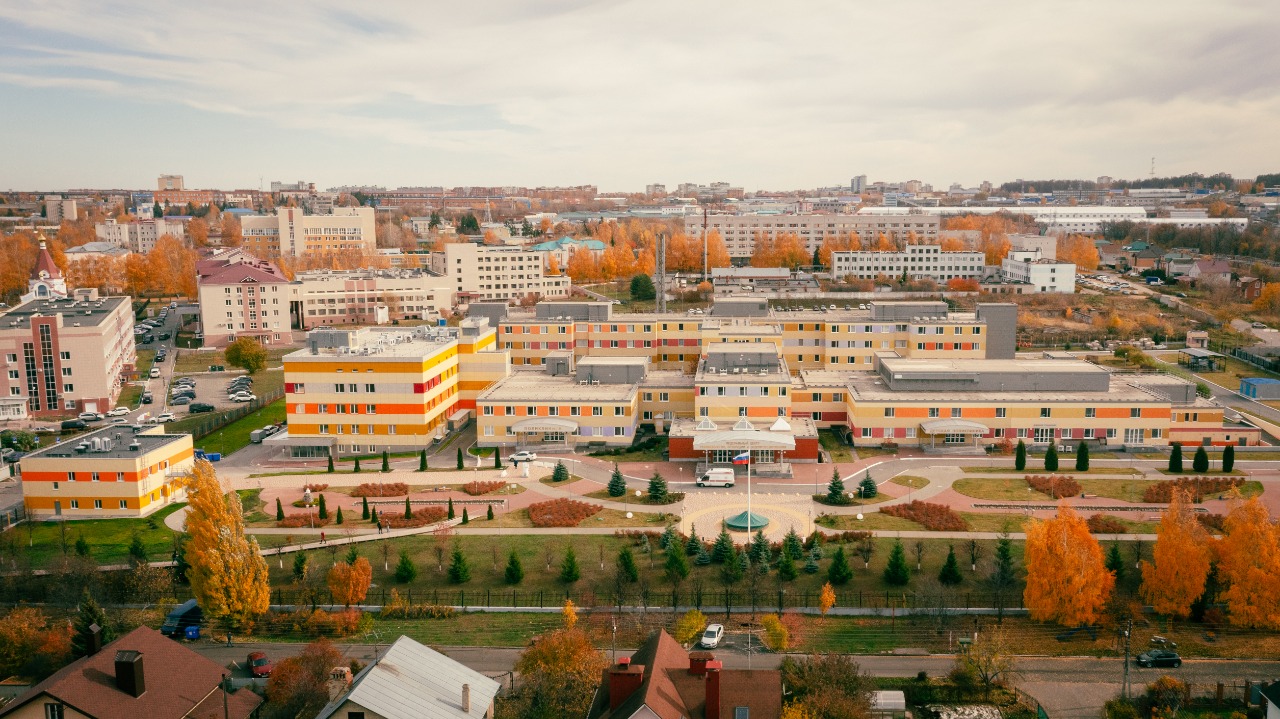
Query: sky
{"x": 776, "y": 95}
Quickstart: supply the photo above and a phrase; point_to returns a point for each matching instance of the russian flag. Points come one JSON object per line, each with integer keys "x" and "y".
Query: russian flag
{"x": 743, "y": 458}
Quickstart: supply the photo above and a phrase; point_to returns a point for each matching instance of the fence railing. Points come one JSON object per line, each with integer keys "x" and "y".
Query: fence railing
{"x": 218, "y": 421}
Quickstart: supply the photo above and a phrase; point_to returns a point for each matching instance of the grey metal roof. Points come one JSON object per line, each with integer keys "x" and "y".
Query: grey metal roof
{"x": 413, "y": 681}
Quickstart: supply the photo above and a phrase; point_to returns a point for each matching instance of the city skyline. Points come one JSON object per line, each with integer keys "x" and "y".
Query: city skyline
{"x": 622, "y": 95}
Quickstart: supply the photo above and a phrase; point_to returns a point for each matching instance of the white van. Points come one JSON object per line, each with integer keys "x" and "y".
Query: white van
{"x": 155, "y": 372}
{"x": 718, "y": 477}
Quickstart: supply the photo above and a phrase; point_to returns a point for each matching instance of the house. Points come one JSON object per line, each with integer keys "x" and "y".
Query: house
{"x": 1210, "y": 271}
{"x": 412, "y": 681}
{"x": 663, "y": 681}
{"x": 141, "y": 674}
{"x": 1177, "y": 265}
{"x": 1145, "y": 259}
{"x": 1250, "y": 288}
{"x": 1113, "y": 255}
{"x": 1271, "y": 698}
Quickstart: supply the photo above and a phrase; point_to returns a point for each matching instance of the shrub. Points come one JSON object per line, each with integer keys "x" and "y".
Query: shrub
{"x": 1198, "y": 487}
{"x": 1104, "y": 524}
{"x": 319, "y": 623}
{"x": 380, "y": 489}
{"x": 397, "y": 608}
{"x": 294, "y": 521}
{"x": 933, "y": 517}
{"x": 560, "y": 512}
{"x": 1054, "y": 485}
{"x": 315, "y": 487}
{"x": 421, "y": 517}
{"x": 476, "y": 489}
{"x": 1213, "y": 522}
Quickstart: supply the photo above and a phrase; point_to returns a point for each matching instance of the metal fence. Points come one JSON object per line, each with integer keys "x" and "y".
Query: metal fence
{"x": 220, "y": 420}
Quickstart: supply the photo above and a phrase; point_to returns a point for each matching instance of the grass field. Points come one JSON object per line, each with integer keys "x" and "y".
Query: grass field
{"x": 870, "y": 521}
{"x": 1038, "y": 468}
{"x": 234, "y": 436}
{"x": 648, "y": 455}
{"x": 839, "y": 451}
{"x": 910, "y": 481}
{"x": 130, "y": 396}
{"x": 199, "y": 360}
{"x": 1127, "y": 490}
{"x": 41, "y": 542}
{"x": 995, "y": 521}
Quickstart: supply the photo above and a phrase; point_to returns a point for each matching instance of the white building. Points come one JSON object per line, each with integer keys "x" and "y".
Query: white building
{"x": 1188, "y": 223}
{"x": 1047, "y": 245}
{"x": 1056, "y": 218}
{"x": 57, "y": 209}
{"x": 367, "y": 297}
{"x": 498, "y": 272}
{"x": 140, "y": 237}
{"x": 740, "y": 231}
{"x": 1040, "y": 273}
{"x": 918, "y": 261}
{"x": 291, "y": 232}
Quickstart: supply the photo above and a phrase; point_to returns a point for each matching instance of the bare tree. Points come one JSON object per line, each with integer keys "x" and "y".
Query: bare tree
{"x": 990, "y": 658}
{"x": 919, "y": 549}
{"x": 975, "y": 553}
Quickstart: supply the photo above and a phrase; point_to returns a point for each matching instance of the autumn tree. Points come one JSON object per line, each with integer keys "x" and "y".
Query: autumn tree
{"x": 247, "y": 354}
{"x": 299, "y": 685}
{"x": 227, "y": 573}
{"x": 828, "y": 685}
{"x": 989, "y": 658}
{"x": 689, "y": 626}
{"x": 232, "y": 234}
{"x": 1182, "y": 555}
{"x": 560, "y": 672}
{"x": 1249, "y": 561}
{"x": 31, "y": 645}
{"x": 1080, "y": 251}
{"x": 349, "y": 582}
{"x": 1067, "y": 581}
{"x": 198, "y": 231}
{"x": 1268, "y": 302}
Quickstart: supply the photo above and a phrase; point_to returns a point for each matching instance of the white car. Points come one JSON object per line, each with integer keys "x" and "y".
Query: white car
{"x": 90, "y": 417}
{"x": 522, "y": 456}
{"x": 243, "y": 397}
{"x": 711, "y": 637}
{"x": 118, "y": 412}
{"x": 166, "y": 417}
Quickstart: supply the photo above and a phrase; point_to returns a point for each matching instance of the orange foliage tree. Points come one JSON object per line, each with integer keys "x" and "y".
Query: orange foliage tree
{"x": 1067, "y": 581}
{"x": 583, "y": 266}
{"x": 717, "y": 252}
{"x": 1079, "y": 251}
{"x": 791, "y": 251}
{"x": 32, "y": 645}
{"x": 952, "y": 244}
{"x": 963, "y": 284}
{"x": 299, "y": 685}
{"x": 835, "y": 243}
{"x": 350, "y": 582}
{"x": 1249, "y": 561}
{"x": 1182, "y": 554}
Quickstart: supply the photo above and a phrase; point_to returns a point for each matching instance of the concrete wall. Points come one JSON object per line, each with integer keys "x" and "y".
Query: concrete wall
{"x": 1002, "y": 329}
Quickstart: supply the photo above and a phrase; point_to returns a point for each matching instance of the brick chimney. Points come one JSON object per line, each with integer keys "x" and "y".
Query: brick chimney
{"x": 698, "y": 662}
{"x": 712, "y": 710}
{"x": 339, "y": 682}
{"x": 624, "y": 679}
{"x": 466, "y": 698}
{"x": 130, "y": 677}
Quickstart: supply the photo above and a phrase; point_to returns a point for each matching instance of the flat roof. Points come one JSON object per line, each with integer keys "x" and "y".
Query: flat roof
{"x": 942, "y": 365}
{"x": 664, "y": 378}
{"x": 535, "y": 386}
{"x": 121, "y": 436}
{"x": 872, "y": 388}
{"x": 611, "y": 360}
{"x": 87, "y": 313}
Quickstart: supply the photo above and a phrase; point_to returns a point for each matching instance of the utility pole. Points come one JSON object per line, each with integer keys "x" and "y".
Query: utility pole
{"x": 1124, "y": 687}
{"x": 660, "y": 273}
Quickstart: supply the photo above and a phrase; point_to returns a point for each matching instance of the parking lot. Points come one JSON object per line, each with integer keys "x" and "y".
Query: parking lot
{"x": 210, "y": 389}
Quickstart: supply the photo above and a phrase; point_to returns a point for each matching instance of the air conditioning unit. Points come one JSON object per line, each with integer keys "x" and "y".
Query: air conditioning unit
{"x": 1064, "y": 448}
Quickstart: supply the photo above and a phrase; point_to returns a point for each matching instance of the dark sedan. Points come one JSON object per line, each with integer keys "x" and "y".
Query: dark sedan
{"x": 1159, "y": 658}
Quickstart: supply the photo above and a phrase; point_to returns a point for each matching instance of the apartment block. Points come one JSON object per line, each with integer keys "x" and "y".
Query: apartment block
{"x": 917, "y": 262}
{"x": 740, "y": 231}
{"x": 242, "y": 296}
{"x": 367, "y": 297}
{"x": 140, "y": 237}
{"x": 111, "y": 472}
{"x": 1029, "y": 272}
{"x": 487, "y": 272}
{"x": 291, "y": 232}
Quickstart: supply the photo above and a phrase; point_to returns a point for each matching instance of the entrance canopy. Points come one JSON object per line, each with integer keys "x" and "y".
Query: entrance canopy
{"x": 743, "y": 439}
{"x": 545, "y": 424}
{"x": 953, "y": 426}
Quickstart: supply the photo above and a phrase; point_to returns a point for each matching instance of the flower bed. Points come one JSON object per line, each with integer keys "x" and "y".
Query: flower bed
{"x": 1054, "y": 485}
{"x": 476, "y": 489}
{"x": 293, "y": 521}
{"x": 1102, "y": 524}
{"x": 933, "y": 517}
{"x": 1198, "y": 487}
{"x": 380, "y": 489}
{"x": 421, "y": 517}
{"x": 560, "y": 512}
{"x": 315, "y": 487}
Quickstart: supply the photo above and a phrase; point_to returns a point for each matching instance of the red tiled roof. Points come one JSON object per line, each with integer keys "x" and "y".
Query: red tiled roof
{"x": 238, "y": 272}
{"x": 178, "y": 682}
{"x": 44, "y": 262}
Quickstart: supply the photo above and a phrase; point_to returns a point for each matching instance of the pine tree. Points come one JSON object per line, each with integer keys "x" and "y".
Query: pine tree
{"x": 1004, "y": 576}
{"x": 405, "y": 571}
{"x": 694, "y": 544}
{"x": 835, "y": 489}
{"x": 723, "y": 549}
{"x": 299, "y": 565}
{"x": 1175, "y": 458}
{"x": 703, "y": 557}
{"x": 867, "y": 488}
{"x": 515, "y": 571}
{"x": 786, "y": 568}
{"x": 560, "y": 473}
{"x": 1115, "y": 563}
{"x": 459, "y": 570}
{"x": 386, "y": 461}
{"x": 657, "y": 489}
{"x": 1051, "y": 458}
{"x": 1228, "y": 458}
{"x": 569, "y": 572}
{"x": 422, "y": 461}
{"x": 323, "y": 512}
{"x": 460, "y": 465}
{"x": 677, "y": 566}
{"x": 279, "y": 510}
{"x": 465, "y": 518}
{"x": 731, "y": 571}
{"x": 408, "y": 510}
{"x": 811, "y": 564}
{"x": 357, "y": 466}
{"x": 337, "y": 519}
{"x": 669, "y": 537}
{"x": 950, "y": 574}
{"x": 1020, "y": 456}
{"x": 627, "y": 565}
{"x": 761, "y": 553}
{"x": 364, "y": 507}
{"x": 489, "y": 515}
{"x": 450, "y": 514}
{"x": 497, "y": 458}
{"x": 331, "y": 464}
{"x": 617, "y": 483}
{"x": 352, "y": 555}
{"x": 839, "y": 573}
{"x": 137, "y": 551}
{"x": 88, "y": 613}
{"x": 1200, "y": 462}
{"x": 896, "y": 572}
{"x": 792, "y": 546}
{"x": 1082, "y": 457}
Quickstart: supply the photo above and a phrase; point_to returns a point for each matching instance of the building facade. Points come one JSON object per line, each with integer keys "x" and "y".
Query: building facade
{"x": 498, "y": 273}
{"x": 242, "y": 296}
{"x": 1030, "y": 273}
{"x": 366, "y": 297}
{"x": 291, "y": 232}
{"x": 917, "y": 262}
{"x": 740, "y": 231}
{"x": 140, "y": 237}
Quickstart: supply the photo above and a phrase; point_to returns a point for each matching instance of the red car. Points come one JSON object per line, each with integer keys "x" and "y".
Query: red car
{"x": 259, "y": 665}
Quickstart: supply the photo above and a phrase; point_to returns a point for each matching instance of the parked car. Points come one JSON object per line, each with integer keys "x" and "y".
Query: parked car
{"x": 148, "y": 398}
{"x": 166, "y": 417}
{"x": 164, "y": 336}
{"x": 711, "y": 637}
{"x": 155, "y": 372}
{"x": 259, "y": 665}
{"x": 198, "y": 407}
{"x": 90, "y": 417}
{"x": 522, "y": 456}
{"x": 243, "y": 397}
{"x": 43, "y": 429}
{"x": 73, "y": 424}
{"x": 180, "y": 400}
{"x": 118, "y": 412}
{"x": 1159, "y": 658}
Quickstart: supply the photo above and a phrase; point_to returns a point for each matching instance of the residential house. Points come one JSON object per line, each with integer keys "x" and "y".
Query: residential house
{"x": 1250, "y": 288}
{"x": 413, "y": 681}
{"x": 1210, "y": 272}
{"x": 142, "y": 674}
{"x": 1145, "y": 259}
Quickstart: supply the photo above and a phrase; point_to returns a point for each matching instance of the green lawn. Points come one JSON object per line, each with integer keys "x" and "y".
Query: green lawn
{"x": 870, "y": 521}
{"x": 199, "y": 360}
{"x": 910, "y": 481}
{"x": 1066, "y": 466}
{"x": 235, "y": 435}
{"x": 631, "y": 455}
{"x": 994, "y": 521}
{"x": 130, "y": 396}
{"x": 146, "y": 358}
{"x": 839, "y": 451}
{"x": 108, "y": 538}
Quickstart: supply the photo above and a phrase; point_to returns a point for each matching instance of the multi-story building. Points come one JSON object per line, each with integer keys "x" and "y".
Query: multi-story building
{"x": 111, "y": 472}
{"x": 170, "y": 182}
{"x": 242, "y": 296}
{"x": 140, "y": 237}
{"x": 57, "y": 209}
{"x": 291, "y": 232}
{"x": 367, "y": 297}
{"x": 1028, "y": 272}
{"x": 498, "y": 273}
{"x": 1056, "y": 218}
{"x": 740, "y": 231}
{"x": 65, "y": 356}
{"x": 915, "y": 261}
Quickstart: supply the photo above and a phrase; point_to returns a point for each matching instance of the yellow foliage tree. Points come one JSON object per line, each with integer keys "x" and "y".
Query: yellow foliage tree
{"x": 765, "y": 252}
{"x": 952, "y": 244}
{"x": 834, "y": 243}
{"x": 1269, "y": 299}
{"x": 1078, "y": 250}
{"x": 791, "y": 251}
{"x": 1249, "y": 562}
{"x": 227, "y": 572}
{"x": 349, "y": 583}
{"x": 828, "y": 599}
{"x": 583, "y": 266}
{"x": 717, "y": 252}
{"x": 1067, "y": 580}
{"x": 797, "y": 710}
{"x": 1177, "y": 575}
{"x": 569, "y": 614}
{"x": 689, "y": 626}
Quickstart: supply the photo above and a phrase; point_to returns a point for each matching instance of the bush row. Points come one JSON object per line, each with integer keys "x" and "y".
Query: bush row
{"x": 1198, "y": 487}
{"x": 933, "y": 517}
{"x": 1054, "y": 485}
{"x": 560, "y": 512}
{"x": 380, "y": 489}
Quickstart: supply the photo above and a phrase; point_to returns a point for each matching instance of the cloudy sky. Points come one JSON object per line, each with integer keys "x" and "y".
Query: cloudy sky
{"x": 556, "y": 92}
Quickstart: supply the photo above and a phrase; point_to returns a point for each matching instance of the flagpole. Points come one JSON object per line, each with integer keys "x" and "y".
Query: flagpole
{"x": 748, "y": 491}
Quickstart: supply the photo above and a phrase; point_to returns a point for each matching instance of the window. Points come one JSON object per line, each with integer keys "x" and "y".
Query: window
{"x": 553, "y": 411}
{"x": 488, "y": 430}
{"x": 65, "y": 355}
{"x": 97, "y": 504}
{"x": 619, "y": 412}
{"x": 93, "y": 477}
{"x": 934, "y": 412}
{"x": 75, "y": 504}
{"x": 738, "y": 713}
{"x": 1088, "y": 434}
{"x": 955, "y": 411}
{"x": 575, "y": 411}
{"x": 370, "y": 388}
{"x": 1046, "y": 412}
{"x": 1133, "y": 436}
{"x": 742, "y": 391}
{"x": 13, "y": 374}
{"x": 597, "y": 411}
{"x": 54, "y": 711}
{"x": 888, "y": 411}
{"x": 1090, "y": 412}
{"x": 124, "y": 504}
{"x": 531, "y": 411}
{"x": 488, "y": 410}
{"x": 1135, "y": 412}
{"x": 664, "y": 397}
{"x": 702, "y": 412}
{"x": 324, "y": 429}
{"x": 866, "y": 432}
{"x": 1000, "y": 412}
{"x": 619, "y": 431}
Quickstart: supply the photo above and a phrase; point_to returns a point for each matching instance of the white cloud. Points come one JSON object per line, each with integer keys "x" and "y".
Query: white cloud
{"x": 762, "y": 94}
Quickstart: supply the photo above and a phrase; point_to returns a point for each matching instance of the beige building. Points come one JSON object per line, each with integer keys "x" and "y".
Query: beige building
{"x": 140, "y": 237}
{"x": 367, "y": 297}
{"x": 291, "y": 232}
{"x": 740, "y": 231}
{"x": 242, "y": 296}
{"x": 498, "y": 273}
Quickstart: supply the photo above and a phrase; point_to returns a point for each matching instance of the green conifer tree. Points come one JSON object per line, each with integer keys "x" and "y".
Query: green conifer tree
{"x": 896, "y": 572}
{"x": 627, "y": 565}
{"x": 515, "y": 571}
{"x": 1082, "y": 457}
{"x": 1200, "y": 462}
{"x": 364, "y": 507}
{"x": 617, "y": 483}
{"x": 950, "y": 574}
{"x": 569, "y": 571}
{"x": 1051, "y": 458}
{"x": 839, "y": 573}
{"x": 459, "y": 569}
{"x": 323, "y": 511}
{"x": 1020, "y": 456}
{"x": 406, "y": 571}
{"x": 279, "y": 510}
{"x": 1175, "y": 458}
